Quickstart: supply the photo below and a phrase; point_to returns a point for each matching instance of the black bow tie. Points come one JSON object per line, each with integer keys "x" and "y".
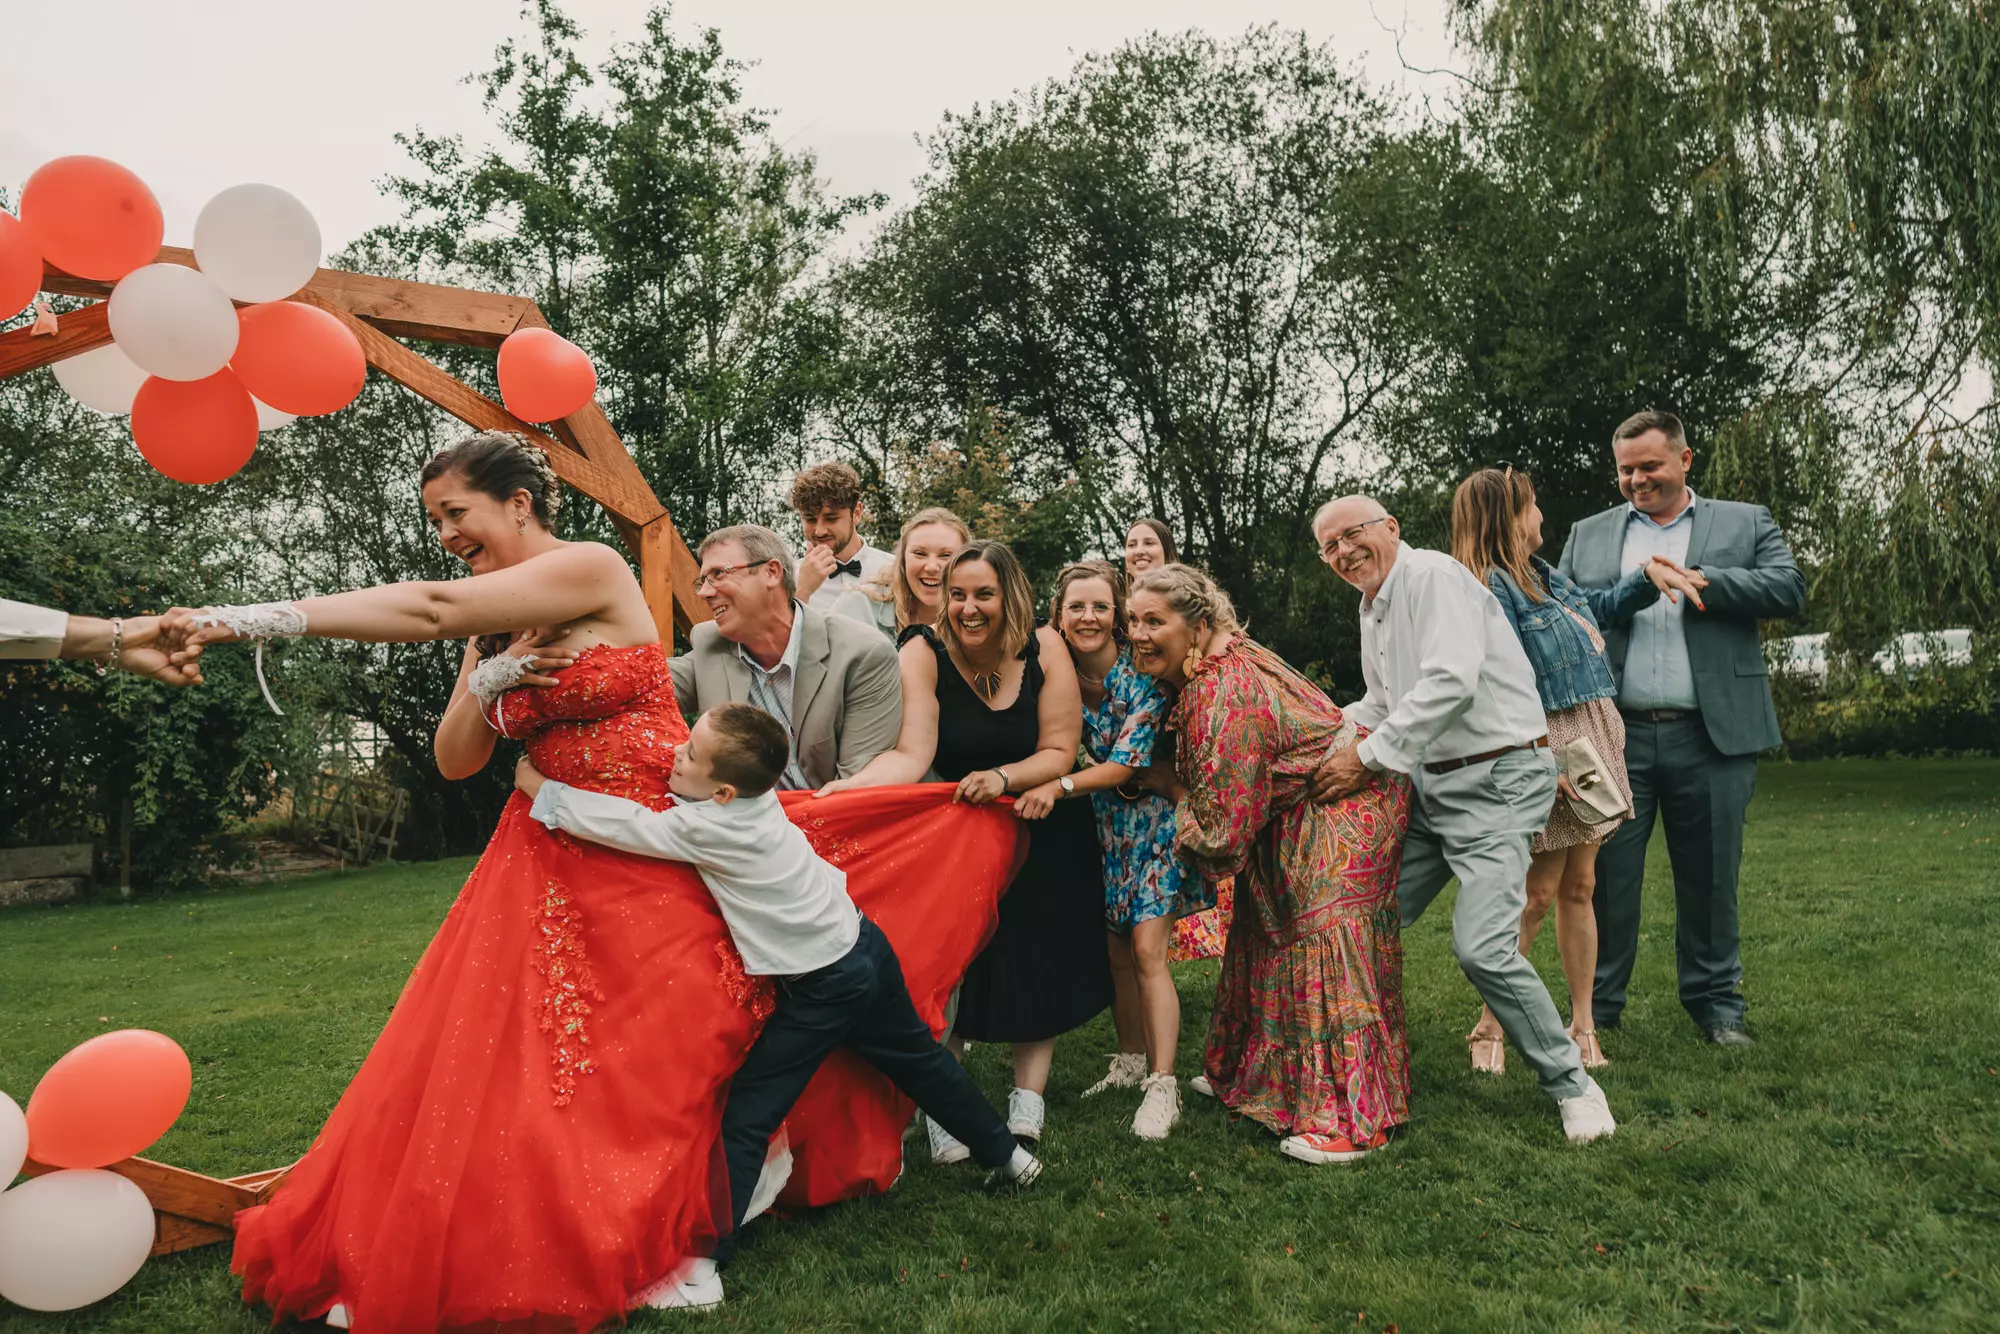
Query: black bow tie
{"x": 852, "y": 567}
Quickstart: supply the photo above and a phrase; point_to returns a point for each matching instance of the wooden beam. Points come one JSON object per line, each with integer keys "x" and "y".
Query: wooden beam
{"x": 667, "y": 573}
{"x": 22, "y": 350}
{"x": 636, "y": 504}
{"x": 175, "y": 1190}
{"x": 403, "y": 309}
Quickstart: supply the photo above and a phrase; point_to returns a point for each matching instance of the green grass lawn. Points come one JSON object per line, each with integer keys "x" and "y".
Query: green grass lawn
{"x": 1842, "y": 1174}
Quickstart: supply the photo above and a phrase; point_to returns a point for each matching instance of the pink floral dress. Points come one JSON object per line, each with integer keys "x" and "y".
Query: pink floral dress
{"x": 1307, "y": 1034}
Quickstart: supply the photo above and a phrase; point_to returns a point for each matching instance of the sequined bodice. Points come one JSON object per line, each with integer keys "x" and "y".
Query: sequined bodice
{"x": 611, "y": 726}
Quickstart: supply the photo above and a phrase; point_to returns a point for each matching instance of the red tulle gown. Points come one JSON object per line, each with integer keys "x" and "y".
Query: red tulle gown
{"x": 533, "y": 1137}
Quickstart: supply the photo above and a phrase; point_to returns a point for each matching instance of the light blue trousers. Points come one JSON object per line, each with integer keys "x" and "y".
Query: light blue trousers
{"x": 1477, "y": 823}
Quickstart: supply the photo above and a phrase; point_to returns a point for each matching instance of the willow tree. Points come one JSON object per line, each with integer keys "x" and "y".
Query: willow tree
{"x": 1834, "y": 175}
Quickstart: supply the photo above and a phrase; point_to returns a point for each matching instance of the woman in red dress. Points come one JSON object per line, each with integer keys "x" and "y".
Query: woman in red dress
{"x": 531, "y": 1144}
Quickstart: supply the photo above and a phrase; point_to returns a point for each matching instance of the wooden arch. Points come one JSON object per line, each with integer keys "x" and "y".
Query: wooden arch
{"x": 190, "y": 1209}
{"x": 585, "y": 450}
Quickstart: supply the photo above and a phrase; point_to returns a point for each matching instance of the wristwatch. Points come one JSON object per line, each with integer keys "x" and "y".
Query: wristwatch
{"x": 1067, "y": 784}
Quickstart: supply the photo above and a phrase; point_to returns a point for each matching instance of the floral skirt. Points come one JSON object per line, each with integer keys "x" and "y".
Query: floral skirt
{"x": 1202, "y": 935}
{"x": 1308, "y": 1034}
{"x": 1599, "y": 720}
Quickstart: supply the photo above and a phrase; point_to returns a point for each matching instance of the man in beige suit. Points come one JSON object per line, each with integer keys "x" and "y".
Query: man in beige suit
{"x": 28, "y": 631}
{"x": 832, "y": 680}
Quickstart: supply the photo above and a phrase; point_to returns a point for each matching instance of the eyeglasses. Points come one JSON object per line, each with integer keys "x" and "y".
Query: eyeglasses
{"x": 1348, "y": 537}
{"x": 707, "y": 578}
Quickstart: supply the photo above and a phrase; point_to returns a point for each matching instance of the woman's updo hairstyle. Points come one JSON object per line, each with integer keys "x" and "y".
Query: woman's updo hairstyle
{"x": 499, "y": 463}
{"x": 1191, "y": 595}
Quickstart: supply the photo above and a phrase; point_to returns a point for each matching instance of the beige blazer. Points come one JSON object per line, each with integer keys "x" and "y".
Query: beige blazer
{"x": 847, "y": 703}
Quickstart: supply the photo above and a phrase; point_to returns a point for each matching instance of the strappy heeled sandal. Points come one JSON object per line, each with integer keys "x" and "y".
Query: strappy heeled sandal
{"x": 1489, "y": 1052}
{"x": 1587, "y": 1047}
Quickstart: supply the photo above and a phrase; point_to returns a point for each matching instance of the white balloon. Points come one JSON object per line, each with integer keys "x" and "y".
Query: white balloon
{"x": 71, "y": 1238}
{"x": 258, "y": 242}
{"x": 13, "y": 1140}
{"x": 103, "y": 378}
{"x": 173, "y": 321}
{"x": 269, "y": 418}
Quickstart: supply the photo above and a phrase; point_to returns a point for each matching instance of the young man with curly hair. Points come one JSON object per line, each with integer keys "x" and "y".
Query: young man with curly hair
{"x": 827, "y": 497}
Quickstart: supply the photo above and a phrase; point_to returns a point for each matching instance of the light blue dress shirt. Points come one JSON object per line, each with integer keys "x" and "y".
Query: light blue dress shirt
{"x": 1658, "y": 674}
{"x": 772, "y": 691}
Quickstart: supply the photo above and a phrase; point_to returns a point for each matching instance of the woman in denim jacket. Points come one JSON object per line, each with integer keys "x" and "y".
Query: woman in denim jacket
{"x": 1496, "y": 529}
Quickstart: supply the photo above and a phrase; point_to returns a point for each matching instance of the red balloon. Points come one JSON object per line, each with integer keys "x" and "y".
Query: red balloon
{"x": 91, "y": 217}
{"x": 195, "y": 431}
{"x": 108, "y": 1099}
{"x": 298, "y": 358}
{"x": 20, "y": 267}
{"x": 544, "y": 376}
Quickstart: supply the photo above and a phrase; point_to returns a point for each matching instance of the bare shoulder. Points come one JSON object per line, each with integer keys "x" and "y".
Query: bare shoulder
{"x": 1053, "y": 649}
{"x": 919, "y": 659}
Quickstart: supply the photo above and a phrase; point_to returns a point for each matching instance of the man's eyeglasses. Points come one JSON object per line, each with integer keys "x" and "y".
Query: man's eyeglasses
{"x": 1348, "y": 537}
{"x": 709, "y": 578}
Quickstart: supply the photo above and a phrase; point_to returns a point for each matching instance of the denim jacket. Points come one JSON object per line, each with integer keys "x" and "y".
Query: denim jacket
{"x": 1569, "y": 669}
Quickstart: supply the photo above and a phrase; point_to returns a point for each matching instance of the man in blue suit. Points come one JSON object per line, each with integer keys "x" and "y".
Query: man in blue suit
{"x": 1696, "y": 697}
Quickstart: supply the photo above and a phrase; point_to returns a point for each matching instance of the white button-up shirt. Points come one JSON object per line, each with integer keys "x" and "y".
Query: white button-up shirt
{"x": 1446, "y": 674}
{"x": 28, "y": 631}
{"x": 786, "y": 906}
{"x": 774, "y": 690}
{"x": 1657, "y": 672}
{"x": 873, "y": 561}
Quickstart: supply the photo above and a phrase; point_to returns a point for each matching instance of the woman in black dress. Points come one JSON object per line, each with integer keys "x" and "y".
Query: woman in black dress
{"x": 991, "y": 703}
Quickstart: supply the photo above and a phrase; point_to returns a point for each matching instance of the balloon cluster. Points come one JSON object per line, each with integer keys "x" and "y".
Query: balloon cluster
{"x": 75, "y": 1236}
{"x": 200, "y": 377}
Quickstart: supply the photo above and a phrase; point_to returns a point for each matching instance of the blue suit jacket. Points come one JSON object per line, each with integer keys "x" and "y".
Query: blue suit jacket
{"x": 1751, "y": 577}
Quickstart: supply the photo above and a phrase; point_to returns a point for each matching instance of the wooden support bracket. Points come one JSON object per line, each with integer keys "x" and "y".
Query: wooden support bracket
{"x": 189, "y": 1209}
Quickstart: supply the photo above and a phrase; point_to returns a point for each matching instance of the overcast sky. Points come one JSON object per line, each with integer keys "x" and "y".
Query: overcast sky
{"x": 198, "y": 95}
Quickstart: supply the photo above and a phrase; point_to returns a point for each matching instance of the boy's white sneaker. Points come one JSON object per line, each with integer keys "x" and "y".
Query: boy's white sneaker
{"x": 1020, "y": 1171}
{"x": 694, "y": 1286}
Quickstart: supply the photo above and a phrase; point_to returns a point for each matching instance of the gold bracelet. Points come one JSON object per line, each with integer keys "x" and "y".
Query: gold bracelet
{"x": 117, "y": 640}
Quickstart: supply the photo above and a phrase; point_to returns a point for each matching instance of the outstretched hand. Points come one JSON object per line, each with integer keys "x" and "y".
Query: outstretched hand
{"x": 141, "y": 655}
{"x": 183, "y": 635}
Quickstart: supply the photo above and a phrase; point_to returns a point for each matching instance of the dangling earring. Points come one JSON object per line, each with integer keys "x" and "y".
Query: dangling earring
{"x": 1192, "y": 662}
{"x": 522, "y": 528}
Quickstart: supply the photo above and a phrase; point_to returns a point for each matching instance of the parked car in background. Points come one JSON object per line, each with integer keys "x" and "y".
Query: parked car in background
{"x": 1907, "y": 655}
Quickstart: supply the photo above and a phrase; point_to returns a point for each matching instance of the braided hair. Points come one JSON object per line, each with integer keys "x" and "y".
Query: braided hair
{"x": 1191, "y": 595}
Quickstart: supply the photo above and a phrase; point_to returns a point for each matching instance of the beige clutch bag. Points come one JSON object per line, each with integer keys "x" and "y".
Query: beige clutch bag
{"x": 1597, "y": 798}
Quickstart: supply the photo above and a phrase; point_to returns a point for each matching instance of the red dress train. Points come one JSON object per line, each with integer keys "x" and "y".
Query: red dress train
{"x": 533, "y": 1137}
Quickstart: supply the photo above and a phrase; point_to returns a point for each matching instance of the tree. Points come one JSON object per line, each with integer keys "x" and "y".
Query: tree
{"x": 1180, "y": 274}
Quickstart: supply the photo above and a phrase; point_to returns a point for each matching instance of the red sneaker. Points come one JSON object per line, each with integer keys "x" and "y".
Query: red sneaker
{"x": 1315, "y": 1148}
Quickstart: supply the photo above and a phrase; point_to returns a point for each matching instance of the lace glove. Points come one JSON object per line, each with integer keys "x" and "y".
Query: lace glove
{"x": 258, "y": 621}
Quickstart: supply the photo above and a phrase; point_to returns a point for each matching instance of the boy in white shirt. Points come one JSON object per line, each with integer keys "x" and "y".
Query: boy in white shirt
{"x": 838, "y": 979}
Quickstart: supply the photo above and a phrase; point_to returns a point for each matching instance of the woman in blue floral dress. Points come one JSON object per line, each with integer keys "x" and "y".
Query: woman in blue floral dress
{"x": 1146, "y": 885}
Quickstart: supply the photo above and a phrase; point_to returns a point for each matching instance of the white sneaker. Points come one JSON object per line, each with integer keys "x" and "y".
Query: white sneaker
{"x": 336, "y": 1316}
{"x": 1159, "y": 1108}
{"x": 1020, "y": 1171}
{"x": 1587, "y": 1116}
{"x": 1201, "y": 1085}
{"x": 694, "y": 1286}
{"x": 945, "y": 1148}
{"x": 1025, "y": 1113}
{"x": 1127, "y": 1069}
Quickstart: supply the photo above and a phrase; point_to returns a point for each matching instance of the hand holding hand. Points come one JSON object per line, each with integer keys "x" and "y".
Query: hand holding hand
{"x": 1339, "y": 774}
{"x": 181, "y": 637}
{"x": 527, "y": 777}
{"x": 542, "y": 659}
{"x": 980, "y": 787}
{"x": 815, "y": 568}
{"x": 1673, "y": 579}
{"x": 141, "y": 655}
{"x": 1037, "y": 802}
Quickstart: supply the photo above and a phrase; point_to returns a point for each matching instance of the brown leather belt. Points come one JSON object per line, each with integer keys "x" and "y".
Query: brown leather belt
{"x": 1447, "y": 766}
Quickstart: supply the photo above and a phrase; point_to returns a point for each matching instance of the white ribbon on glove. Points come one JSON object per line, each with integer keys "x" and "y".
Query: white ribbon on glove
{"x": 259, "y": 621}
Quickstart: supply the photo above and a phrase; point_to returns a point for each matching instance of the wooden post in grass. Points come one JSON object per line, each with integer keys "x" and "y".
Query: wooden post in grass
{"x": 195, "y": 1210}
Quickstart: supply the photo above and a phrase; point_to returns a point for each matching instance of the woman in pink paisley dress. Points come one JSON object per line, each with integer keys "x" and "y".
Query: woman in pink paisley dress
{"x": 1306, "y": 1037}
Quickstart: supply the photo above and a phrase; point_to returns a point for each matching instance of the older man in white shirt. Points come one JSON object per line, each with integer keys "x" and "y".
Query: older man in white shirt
{"x": 1451, "y": 702}
{"x": 28, "y": 631}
